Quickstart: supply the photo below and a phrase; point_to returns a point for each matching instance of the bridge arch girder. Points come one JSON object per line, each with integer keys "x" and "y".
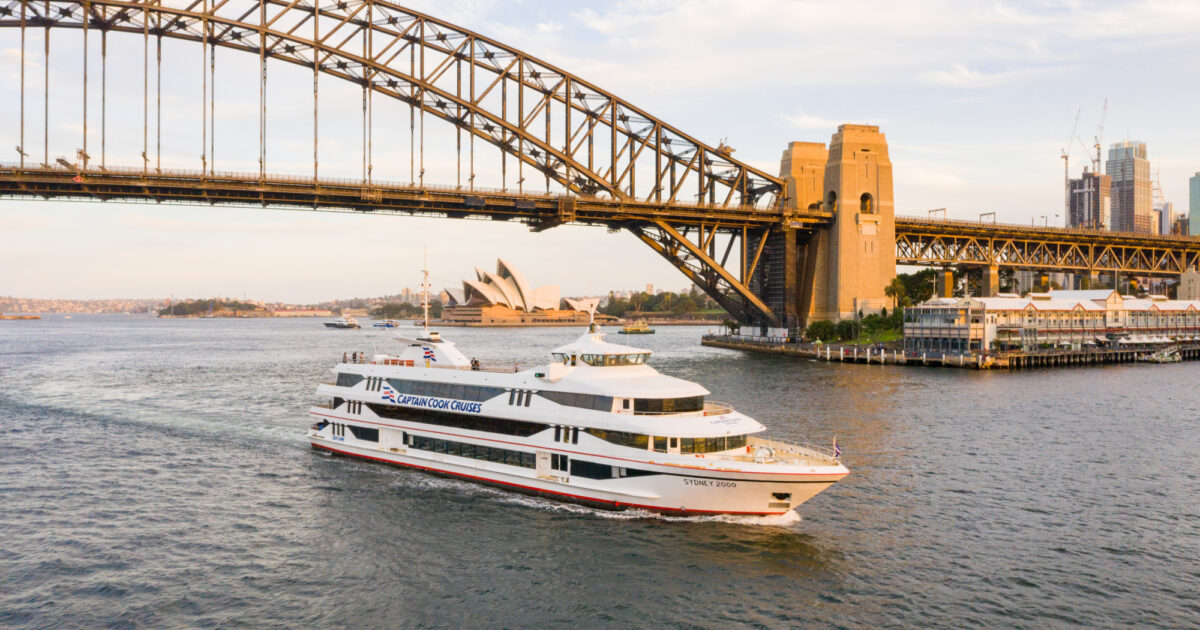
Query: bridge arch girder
{"x": 364, "y": 41}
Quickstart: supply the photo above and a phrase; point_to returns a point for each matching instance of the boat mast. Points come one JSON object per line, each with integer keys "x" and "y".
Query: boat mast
{"x": 425, "y": 291}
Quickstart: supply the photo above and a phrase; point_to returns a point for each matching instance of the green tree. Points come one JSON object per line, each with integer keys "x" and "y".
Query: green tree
{"x": 847, "y": 329}
{"x": 823, "y": 330}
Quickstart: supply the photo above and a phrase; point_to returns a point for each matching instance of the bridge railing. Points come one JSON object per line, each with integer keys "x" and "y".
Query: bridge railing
{"x": 1044, "y": 229}
{"x": 215, "y": 179}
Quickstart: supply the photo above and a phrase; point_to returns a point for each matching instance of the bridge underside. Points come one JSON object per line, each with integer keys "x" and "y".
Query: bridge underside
{"x": 730, "y": 253}
{"x": 1049, "y": 250}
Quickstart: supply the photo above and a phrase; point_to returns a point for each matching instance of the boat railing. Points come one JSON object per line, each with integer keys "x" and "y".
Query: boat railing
{"x": 763, "y": 450}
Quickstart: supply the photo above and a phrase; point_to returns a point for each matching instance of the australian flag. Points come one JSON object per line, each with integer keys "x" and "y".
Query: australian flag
{"x": 429, "y": 355}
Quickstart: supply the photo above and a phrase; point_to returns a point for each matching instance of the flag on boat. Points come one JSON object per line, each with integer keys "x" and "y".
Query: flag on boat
{"x": 837, "y": 452}
{"x": 389, "y": 394}
{"x": 429, "y": 355}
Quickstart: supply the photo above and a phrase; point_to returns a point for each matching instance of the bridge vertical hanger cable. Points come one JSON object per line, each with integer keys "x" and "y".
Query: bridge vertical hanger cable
{"x": 567, "y": 131}
{"x": 21, "y": 136}
{"x": 83, "y": 154}
{"x": 521, "y": 121}
{"x": 546, "y": 170}
{"x": 471, "y": 139}
{"x": 371, "y": 92}
{"x": 46, "y": 87}
{"x": 158, "y": 96}
{"x": 145, "y": 88}
{"x": 316, "y": 17}
{"x": 458, "y": 115}
{"x": 204, "y": 88}
{"x": 262, "y": 90}
{"x": 212, "y": 108}
{"x": 422, "y": 96}
{"x": 505, "y": 138}
{"x": 363, "y": 34}
{"x": 412, "y": 114}
{"x": 103, "y": 95}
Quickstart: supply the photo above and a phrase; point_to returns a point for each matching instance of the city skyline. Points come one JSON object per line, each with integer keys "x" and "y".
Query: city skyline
{"x": 976, "y": 106}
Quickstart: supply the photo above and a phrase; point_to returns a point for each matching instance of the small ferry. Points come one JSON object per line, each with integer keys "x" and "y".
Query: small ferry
{"x": 386, "y": 323}
{"x": 595, "y": 424}
{"x": 639, "y": 327}
{"x": 343, "y": 322}
{"x": 1165, "y": 355}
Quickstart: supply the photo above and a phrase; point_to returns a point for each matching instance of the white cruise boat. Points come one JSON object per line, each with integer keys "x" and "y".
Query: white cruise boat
{"x": 594, "y": 425}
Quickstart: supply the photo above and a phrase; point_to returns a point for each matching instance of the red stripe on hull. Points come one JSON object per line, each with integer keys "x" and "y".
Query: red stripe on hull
{"x": 610, "y": 505}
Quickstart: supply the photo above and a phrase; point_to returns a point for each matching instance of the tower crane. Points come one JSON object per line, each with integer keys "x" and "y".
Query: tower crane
{"x": 1100, "y": 137}
{"x": 1066, "y": 158}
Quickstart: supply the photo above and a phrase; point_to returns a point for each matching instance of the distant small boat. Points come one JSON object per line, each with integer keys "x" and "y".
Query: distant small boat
{"x": 3, "y": 316}
{"x": 1166, "y": 355}
{"x": 343, "y": 322}
{"x": 639, "y": 327}
{"x": 386, "y": 323}
{"x": 66, "y": 317}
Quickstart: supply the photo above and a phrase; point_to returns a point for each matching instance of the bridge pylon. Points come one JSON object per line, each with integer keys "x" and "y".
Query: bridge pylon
{"x": 844, "y": 268}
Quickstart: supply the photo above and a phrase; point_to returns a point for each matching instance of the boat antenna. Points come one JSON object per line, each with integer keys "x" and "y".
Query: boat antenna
{"x": 425, "y": 290}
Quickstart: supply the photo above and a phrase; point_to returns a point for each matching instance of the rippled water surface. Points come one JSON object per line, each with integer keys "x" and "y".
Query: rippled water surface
{"x": 155, "y": 473}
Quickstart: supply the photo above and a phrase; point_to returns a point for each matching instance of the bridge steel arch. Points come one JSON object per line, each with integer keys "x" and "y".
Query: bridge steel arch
{"x": 588, "y": 140}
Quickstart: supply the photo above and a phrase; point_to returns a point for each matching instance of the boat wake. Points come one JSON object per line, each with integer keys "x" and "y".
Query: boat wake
{"x": 789, "y": 519}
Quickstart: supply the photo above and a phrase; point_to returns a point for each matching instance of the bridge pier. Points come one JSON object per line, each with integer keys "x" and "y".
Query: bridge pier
{"x": 989, "y": 284}
{"x": 944, "y": 283}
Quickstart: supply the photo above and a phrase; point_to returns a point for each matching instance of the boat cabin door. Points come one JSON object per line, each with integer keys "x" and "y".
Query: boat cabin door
{"x": 543, "y": 468}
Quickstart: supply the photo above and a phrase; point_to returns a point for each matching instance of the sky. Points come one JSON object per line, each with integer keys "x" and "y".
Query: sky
{"x": 977, "y": 100}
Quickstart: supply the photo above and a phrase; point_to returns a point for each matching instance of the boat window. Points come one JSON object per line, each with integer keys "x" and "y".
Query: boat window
{"x": 621, "y": 438}
{"x": 660, "y": 444}
{"x": 365, "y": 434}
{"x": 711, "y": 445}
{"x": 668, "y": 405}
{"x": 518, "y": 428}
{"x": 476, "y": 451}
{"x": 561, "y": 357}
{"x": 612, "y": 360}
{"x": 583, "y": 401}
{"x": 476, "y": 393}
{"x": 346, "y": 379}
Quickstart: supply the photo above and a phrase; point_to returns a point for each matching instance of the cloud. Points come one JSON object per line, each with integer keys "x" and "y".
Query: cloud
{"x": 803, "y": 120}
{"x": 961, "y": 76}
{"x": 549, "y": 27}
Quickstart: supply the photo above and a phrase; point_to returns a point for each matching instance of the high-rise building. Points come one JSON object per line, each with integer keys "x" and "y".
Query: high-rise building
{"x": 1091, "y": 204}
{"x": 1194, "y": 204}
{"x": 1129, "y": 169}
{"x": 1166, "y": 217}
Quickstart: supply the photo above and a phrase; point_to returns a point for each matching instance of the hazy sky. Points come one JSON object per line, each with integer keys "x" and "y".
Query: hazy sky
{"x": 976, "y": 98}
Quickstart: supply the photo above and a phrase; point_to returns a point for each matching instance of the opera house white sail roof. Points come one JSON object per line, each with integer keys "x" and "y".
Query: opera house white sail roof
{"x": 505, "y": 287}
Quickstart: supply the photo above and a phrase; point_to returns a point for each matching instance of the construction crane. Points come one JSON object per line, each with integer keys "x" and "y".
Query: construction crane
{"x": 1066, "y": 158}
{"x": 1100, "y": 137}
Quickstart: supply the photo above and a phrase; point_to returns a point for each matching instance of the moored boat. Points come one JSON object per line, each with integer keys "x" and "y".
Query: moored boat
{"x": 343, "y": 322}
{"x": 640, "y": 327}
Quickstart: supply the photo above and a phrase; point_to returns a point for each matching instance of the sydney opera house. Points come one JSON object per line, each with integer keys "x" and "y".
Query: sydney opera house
{"x": 504, "y": 298}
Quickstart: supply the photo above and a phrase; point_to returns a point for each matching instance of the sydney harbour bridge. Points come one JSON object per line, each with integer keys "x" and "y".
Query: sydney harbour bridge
{"x": 531, "y": 142}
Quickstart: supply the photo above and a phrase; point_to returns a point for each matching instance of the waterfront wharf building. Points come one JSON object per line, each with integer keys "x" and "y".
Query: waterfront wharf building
{"x": 1132, "y": 190}
{"x": 504, "y": 298}
{"x": 1057, "y": 319}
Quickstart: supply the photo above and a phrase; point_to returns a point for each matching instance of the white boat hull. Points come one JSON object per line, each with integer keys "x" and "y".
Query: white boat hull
{"x": 682, "y": 492}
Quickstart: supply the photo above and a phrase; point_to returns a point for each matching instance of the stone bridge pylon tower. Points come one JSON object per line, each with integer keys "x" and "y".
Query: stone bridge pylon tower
{"x": 844, "y": 268}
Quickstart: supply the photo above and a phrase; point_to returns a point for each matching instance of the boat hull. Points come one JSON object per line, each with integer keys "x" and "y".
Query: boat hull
{"x": 679, "y": 494}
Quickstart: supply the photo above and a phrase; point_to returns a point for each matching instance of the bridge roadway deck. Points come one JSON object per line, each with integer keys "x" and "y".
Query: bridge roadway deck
{"x": 918, "y": 241}
{"x": 243, "y": 189}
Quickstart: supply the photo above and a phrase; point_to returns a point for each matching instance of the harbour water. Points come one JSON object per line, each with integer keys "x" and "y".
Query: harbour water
{"x": 155, "y": 474}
